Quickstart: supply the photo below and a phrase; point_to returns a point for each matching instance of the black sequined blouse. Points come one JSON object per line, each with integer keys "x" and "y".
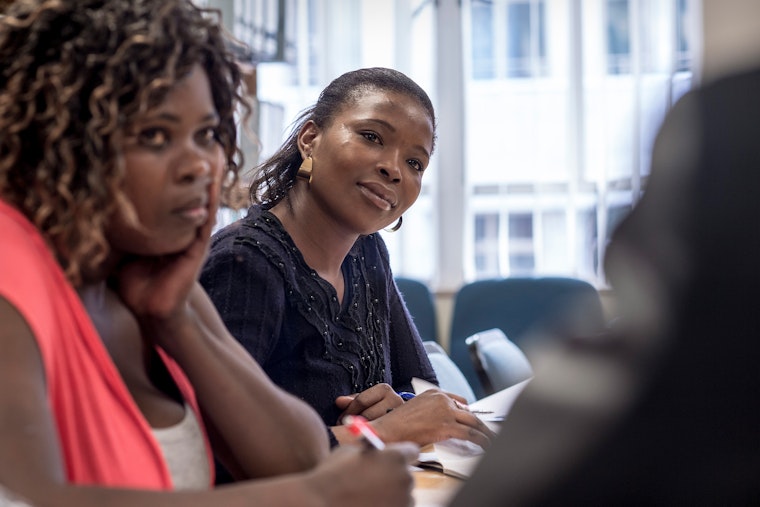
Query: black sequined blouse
{"x": 290, "y": 319}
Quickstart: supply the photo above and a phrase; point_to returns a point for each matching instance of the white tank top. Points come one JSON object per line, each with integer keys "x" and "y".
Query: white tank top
{"x": 184, "y": 451}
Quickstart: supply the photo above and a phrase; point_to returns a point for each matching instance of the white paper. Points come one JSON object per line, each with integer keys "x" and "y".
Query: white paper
{"x": 498, "y": 405}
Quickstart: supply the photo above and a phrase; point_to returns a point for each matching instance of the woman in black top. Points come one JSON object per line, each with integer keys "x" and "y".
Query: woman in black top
{"x": 304, "y": 281}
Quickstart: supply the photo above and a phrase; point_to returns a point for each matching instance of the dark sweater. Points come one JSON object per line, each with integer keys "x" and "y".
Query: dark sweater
{"x": 291, "y": 322}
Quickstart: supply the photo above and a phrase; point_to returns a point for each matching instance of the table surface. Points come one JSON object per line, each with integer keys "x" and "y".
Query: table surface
{"x": 434, "y": 489}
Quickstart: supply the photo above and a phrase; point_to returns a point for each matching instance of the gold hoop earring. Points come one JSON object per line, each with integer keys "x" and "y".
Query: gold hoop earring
{"x": 397, "y": 226}
{"x": 305, "y": 171}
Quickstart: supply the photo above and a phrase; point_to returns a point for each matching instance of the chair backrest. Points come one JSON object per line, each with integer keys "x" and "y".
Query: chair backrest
{"x": 450, "y": 378}
{"x": 419, "y": 302}
{"x": 498, "y": 362}
{"x": 521, "y": 307}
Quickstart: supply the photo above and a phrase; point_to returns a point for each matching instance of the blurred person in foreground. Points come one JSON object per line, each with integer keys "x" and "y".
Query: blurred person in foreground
{"x": 118, "y": 379}
{"x": 663, "y": 411}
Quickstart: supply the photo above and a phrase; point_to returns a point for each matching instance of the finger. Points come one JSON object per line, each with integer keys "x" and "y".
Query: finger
{"x": 382, "y": 408}
{"x": 468, "y": 418}
{"x": 214, "y": 195}
{"x": 356, "y": 407}
{"x": 344, "y": 401}
{"x": 461, "y": 406}
{"x": 370, "y": 397}
{"x": 471, "y": 434}
{"x": 476, "y": 430}
{"x": 460, "y": 399}
{"x": 204, "y": 231}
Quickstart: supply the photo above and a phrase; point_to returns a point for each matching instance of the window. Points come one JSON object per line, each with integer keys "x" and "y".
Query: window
{"x": 482, "y": 40}
{"x": 683, "y": 46}
{"x": 508, "y": 38}
{"x": 558, "y": 144}
{"x": 557, "y": 110}
{"x": 526, "y": 49}
{"x": 521, "y": 250}
{"x": 618, "y": 37}
{"x": 487, "y": 244}
{"x": 264, "y": 27}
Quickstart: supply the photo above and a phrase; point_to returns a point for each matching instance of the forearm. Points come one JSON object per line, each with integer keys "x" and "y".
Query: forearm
{"x": 268, "y": 430}
{"x": 291, "y": 490}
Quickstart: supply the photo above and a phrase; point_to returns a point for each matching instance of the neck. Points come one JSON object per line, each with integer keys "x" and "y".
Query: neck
{"x": 98, "y": 276}
{"x": 93, "y": 295}
{"x": 323, "y": 243}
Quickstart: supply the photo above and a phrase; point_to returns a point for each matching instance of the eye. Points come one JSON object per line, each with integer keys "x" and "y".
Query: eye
{"x": 372, "y": 137}
{"x": 416, "y": 164}
{"x": 154, "y": 137}
{"x": 208, "y": 135}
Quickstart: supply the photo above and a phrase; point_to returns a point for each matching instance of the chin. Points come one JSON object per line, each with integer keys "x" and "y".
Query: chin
{"x": 178, "y": 246}
{"x": 160, "y": 245}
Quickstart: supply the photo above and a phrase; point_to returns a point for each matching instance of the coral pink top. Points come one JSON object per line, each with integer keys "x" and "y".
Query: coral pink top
{"x": 104, "y": 437}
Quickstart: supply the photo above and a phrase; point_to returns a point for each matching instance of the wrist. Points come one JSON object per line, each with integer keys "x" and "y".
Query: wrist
{"x": 382, "y": 429}
{"x": 169, "y": 332}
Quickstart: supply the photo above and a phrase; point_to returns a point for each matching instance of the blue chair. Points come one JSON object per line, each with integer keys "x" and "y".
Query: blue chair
{"x": 521, "y": 307}
{"x": 498, "y": 362}
{"x": 450, "y": 378}
{"x": 419, "y": 302}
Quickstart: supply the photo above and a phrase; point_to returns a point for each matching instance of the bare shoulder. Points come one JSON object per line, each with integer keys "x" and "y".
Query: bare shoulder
{"x": 27, "y": 433}
{"x": 20, "y": 358}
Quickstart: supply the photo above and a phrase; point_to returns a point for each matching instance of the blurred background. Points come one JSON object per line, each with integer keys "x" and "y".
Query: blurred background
{"x": 547, "y": 112}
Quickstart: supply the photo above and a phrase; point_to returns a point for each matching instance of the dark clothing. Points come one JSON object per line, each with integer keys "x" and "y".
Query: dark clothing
{"x": 679, "y": 425}
{"x": 290, "y": 319}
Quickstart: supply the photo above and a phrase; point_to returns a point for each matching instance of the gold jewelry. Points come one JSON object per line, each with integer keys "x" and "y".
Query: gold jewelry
{"x": 397, "y": 226}
{"x": 305, "y": 171}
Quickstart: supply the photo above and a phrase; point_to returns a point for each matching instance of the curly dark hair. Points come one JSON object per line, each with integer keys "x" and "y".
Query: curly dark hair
{"x": 75, "y": 74}
{"x": 276, "y": 176}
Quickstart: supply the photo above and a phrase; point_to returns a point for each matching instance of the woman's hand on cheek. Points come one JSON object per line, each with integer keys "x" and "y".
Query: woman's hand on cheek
{"x": 158, "y": 287}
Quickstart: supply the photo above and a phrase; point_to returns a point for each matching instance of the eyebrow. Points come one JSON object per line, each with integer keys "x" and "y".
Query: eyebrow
{"x": 171, "y": 117}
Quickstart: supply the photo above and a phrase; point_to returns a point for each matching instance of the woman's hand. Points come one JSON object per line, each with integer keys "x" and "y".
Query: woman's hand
{"x": 430, "y": 417}
{"x": 353, "y": 475}
{"x": 371, "y": 404}
{"x": 157, "y": 288}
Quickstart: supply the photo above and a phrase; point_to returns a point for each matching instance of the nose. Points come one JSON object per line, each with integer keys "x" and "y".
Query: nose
{"x": 391, "y": 170}
{"x": 195, "y": 165}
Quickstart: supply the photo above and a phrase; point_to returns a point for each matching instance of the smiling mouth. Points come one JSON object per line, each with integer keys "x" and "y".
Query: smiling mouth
{"x": 380, "y": 200}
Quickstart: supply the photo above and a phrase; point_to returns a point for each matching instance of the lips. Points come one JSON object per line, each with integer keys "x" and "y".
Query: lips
{"x": 195, "y": 210}
{"x": 380, "y": 195}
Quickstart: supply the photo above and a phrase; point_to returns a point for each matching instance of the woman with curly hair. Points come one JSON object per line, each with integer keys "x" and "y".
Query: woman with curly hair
{"x": 118, "y": 379}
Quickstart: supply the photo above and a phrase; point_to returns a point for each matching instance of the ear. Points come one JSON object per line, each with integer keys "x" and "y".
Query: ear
{"x": 307, "y": 138}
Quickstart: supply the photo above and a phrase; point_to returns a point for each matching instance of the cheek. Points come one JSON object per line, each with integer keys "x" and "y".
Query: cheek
{"x": 144, "y": 179}
{"x": 132, "y": 224}
{"x": 123, "y": 230}
{"x": 144, "y": 203}
{"x": 413, "y": 189}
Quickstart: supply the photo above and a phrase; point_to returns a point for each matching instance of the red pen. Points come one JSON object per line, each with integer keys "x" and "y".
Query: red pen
{"x": 359, "y": 426}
